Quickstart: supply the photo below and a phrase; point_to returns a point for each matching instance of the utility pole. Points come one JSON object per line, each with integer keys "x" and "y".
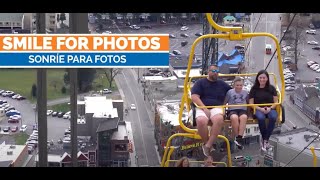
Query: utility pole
{"x": 42, "y": 99}
{"x": 78, "y": 25}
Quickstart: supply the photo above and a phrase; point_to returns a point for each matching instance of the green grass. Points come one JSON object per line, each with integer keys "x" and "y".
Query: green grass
{"x": 65, "y": 107}
{"x": 101, "y": 82}
{"x": 21, "y": 80}
{"x": 21, "y": 138}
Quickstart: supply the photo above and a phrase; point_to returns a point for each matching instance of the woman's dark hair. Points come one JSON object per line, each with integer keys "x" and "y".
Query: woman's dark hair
{"x": 257, "y": 84}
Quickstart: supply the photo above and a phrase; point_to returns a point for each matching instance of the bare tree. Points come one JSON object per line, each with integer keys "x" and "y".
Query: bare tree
{"x": 297, "y": 27}
{"x": 111, "y": 74}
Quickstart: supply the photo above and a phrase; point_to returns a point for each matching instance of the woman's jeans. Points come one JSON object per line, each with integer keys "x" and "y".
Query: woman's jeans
{"x": 266, "y": 131}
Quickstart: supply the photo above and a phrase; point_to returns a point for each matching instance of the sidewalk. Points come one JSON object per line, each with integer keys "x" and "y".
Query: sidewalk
{"x": 133, "y": 161}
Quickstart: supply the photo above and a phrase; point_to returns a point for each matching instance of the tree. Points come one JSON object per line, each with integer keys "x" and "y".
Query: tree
{"x": 85, "y": 79}
{"x": 34, "y": 90}
{"x": 111, "y": 74}
{"x": 62, "y": 17}
{"x": 298, "y": 25}
{"x": 54, "y": 84}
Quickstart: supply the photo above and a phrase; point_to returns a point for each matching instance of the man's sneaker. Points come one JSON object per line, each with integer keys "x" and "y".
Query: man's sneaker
{"x": 240, "y": 146}
{"x": 264, "y": 145}
{"x": 206, "y": 150}
{"x": 268, "y": 145}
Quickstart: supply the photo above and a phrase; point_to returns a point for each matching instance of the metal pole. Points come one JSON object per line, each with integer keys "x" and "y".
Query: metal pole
{"x": 78, "y": 25}
{"x": 42, "y": 99}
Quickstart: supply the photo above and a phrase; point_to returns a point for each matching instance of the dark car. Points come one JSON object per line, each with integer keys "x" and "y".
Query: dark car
{"x": 198, "y": 34}
{"x": 21, "y": 98}
{"x": 13, "y": 120}
{"x": 184, "y": 35}
{"x": 316, "y": 48}
{"x": 6, "y": 129}
{"x": 148, "y": 27}
{"x": 60, "y": 114}
{"x": 176, "y": 52}
{"x": 54, "y": 114}
{"x": 184, "y": 43}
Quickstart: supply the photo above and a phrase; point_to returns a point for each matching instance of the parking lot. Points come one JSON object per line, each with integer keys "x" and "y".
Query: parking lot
{"x": 304, "y": 73}
{"x": 56, "y": 125}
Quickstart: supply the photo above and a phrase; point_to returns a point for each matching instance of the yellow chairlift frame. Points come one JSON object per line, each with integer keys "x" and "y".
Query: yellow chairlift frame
{"x": 233, "y": 34}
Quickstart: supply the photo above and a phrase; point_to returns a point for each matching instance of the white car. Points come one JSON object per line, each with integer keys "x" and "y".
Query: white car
{"x": 290, "y": 88}
{"x": 184, "y": 28}
{"x": 311, "y": 31}
{"x": 107, "y": 32}
{"x": 16, "y": 116}
{"x": 133, "y": 107}
{"x": 23, "y": 128}
{"x": 49, "y": 112}
{"x": 312, "y": 42}
{"x": 172, "y": 36}
{"x": 135, "y": 27}
{"x": 67, "y": 115}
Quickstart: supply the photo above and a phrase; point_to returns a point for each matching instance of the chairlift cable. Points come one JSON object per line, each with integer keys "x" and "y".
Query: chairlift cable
{"x": 302, "y": 149}
{"x": 281, "y": 39}
{"x": 253, "y": 32}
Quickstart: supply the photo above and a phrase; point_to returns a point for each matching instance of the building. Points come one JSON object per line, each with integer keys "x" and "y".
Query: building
{"x": 288, "y": 144}
{"x": 15, "y": 156}
{"x": 306, "y": 98}
{"x": 11, "y": 20}
{"x": 52, "y": 22}
{"x": 87, "y": 159}
{"x": 101, "y": 121}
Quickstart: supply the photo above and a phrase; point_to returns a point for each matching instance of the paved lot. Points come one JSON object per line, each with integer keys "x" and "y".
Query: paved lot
{"x": 56, "y": 126}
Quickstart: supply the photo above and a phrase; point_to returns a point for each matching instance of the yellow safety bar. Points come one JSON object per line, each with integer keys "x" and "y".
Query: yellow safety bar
{"x": 312, "y": 149}
{"x": 223, "y": 163}
{"x": 234, "y": 34}
{"x": 167, "y": 155}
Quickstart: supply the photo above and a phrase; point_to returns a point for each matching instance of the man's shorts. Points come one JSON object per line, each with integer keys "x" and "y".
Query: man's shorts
{"x": 213, "y": 112}
{"x": 238, "y": 112}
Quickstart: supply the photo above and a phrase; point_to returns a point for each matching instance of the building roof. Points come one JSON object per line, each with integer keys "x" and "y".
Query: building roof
{"x": 300, "y": 139}
{"x": 16, "y": 151}
{"x": 169, "y": 112}
{"x": 11, "y": 17}
{"x": 121, "y": 133}
{"x": 100, "y": 105}
{"x": 5, "y": 163}
{"x": 181, "y": 62}
{"x": 314, "y": 103}
{"x": 300, "y": 91}
{"x": 108, "y": 124}
{"x": 181, "y": 73}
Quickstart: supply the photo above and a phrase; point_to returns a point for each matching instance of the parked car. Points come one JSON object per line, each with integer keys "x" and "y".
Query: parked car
{"x": 312, "y": 42}
{"x": 311, "y": 31}
{"x": 54, "y": 114}
{"x": 6, "y": 129}
{"x": 184, "y": 35}
{"x": 184, "y": 28}
{"x": 67, "y": 115}
{"x": 316, "y": 48}
{"x": 49, "y": 112}
{"x": 198, "y": 34}
{"x": 184, "y": 43}
{"x": 23, "y": 128}
{"x": 135, "y": 27}
{"x": 12, "y": 112}
{"x": 10, "y": 120}
{"x": 172, "y": 36}
{"x": 60, "y": 114}
{"x": 106, "y": 91}
{"x": 176, "y": 52}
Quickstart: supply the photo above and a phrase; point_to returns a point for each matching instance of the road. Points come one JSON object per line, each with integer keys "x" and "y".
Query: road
{"x": 270, "y": 23}
{"x": 141, "y": 119}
